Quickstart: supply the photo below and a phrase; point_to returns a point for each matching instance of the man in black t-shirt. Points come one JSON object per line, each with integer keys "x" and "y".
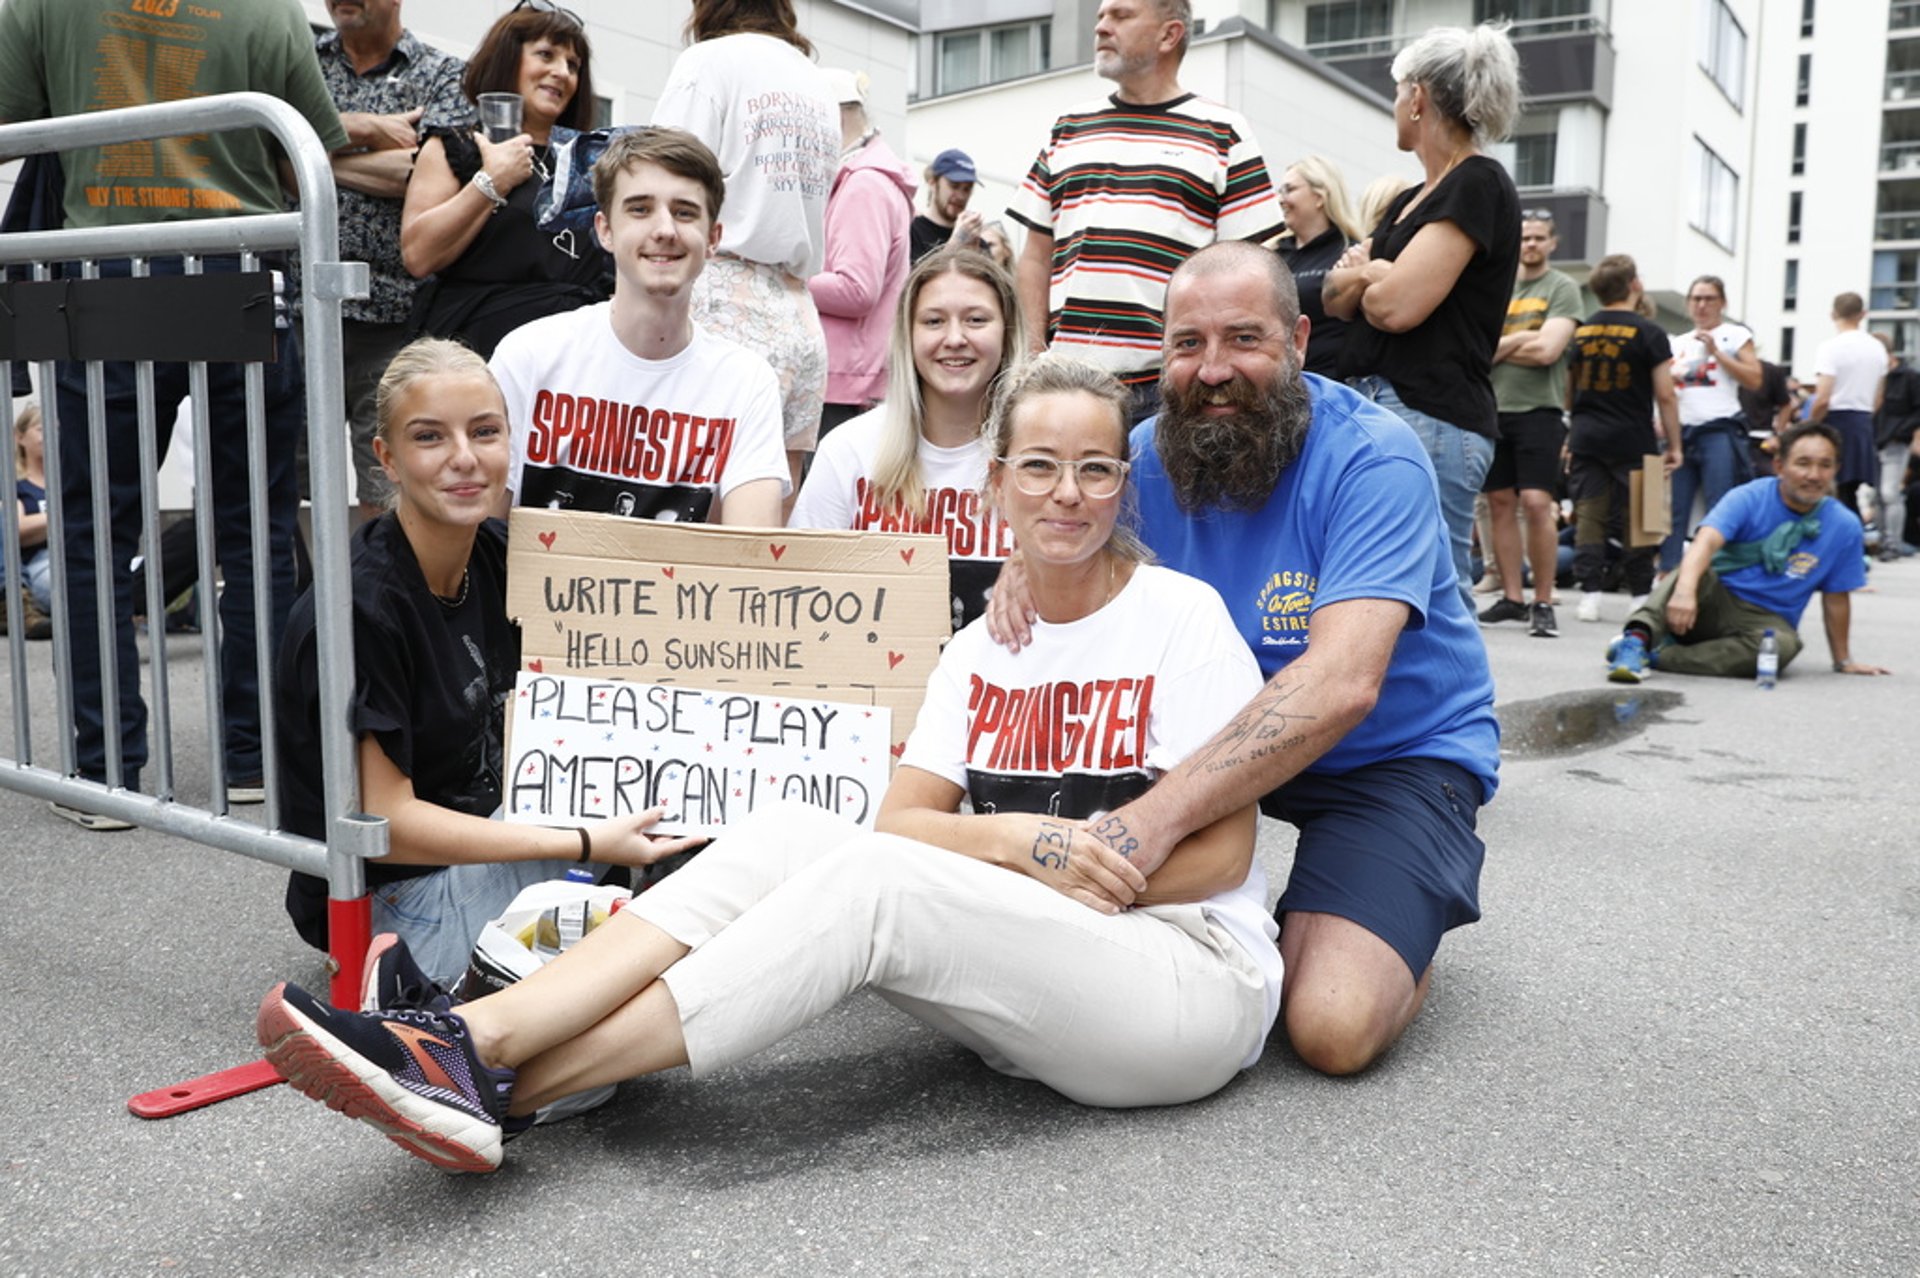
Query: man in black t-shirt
{"x": 1893, "y": 432}
{"x": 950, "y": 181}
{"x": 1768, "y": 409}
{"x": 1617, "y": 375}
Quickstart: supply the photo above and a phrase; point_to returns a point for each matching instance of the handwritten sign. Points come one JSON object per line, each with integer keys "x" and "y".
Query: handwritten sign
{"x": 584, "y": 750}
{"x": 833, "y": 616}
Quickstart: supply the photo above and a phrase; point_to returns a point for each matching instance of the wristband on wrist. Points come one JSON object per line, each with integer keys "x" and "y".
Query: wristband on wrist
{"x": 483, "y": 183}
{"x": 586, "y": 845}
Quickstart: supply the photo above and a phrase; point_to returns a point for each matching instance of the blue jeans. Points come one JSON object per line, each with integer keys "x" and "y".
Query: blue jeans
{"x": 439, "y": 915}
{"x": 1460, "y": 462}
{"x": 226, "y": 448}
{"x": 36, "y": 571}
{"x": 1713, "y": 459}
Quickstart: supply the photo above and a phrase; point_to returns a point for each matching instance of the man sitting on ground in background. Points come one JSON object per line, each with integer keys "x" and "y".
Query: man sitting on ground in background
{"x": 1756, "y": 559}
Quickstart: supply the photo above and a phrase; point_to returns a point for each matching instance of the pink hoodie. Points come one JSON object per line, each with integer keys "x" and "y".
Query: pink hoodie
{"x": 866, "y": 264}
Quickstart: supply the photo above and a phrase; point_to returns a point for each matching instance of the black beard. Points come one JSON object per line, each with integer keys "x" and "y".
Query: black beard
{"x": 1231, "y": 462}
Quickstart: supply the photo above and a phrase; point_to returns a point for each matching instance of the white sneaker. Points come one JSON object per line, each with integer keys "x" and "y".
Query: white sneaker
{"x": 1589, "y": 609}
{"x": 1636, "y": 603}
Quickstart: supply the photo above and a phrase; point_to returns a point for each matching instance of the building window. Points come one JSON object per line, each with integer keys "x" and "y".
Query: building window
{"x": 1538, "y": 17}
{"x": 1786, "y": 348}
{"x": 1716, "y": 197}
{"x": 1896, "y": 280}
{"x": 1357, "y": 26}
{"x": 1790, "y": 293}
{"x": 1806, "y": 17}
{"x": 988, "y": 55}
{"x": 1533, "y": 155}
{"x": 1800, "y": 148}
{"x": 1723, "y": 51}
{"x": 1904, "y": 16}
{"x": 1803, "y": 86}
{"x": 1793, "y": 218}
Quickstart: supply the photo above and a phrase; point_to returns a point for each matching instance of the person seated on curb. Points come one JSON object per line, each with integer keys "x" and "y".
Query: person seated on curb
{"x": 1008, "y": 928}
{"x": 1756, "y": 559}
{"x": 35, "y": 595}
{"x": 434, "y": 662}
{"x": 628, "y": 406}
{"x": 1314, "y": 512}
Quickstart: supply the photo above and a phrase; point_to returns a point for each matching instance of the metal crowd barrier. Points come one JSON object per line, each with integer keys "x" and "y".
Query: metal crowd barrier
{"x": 313, "y": 233}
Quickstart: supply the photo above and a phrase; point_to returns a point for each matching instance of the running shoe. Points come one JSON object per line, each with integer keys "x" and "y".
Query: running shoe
{"x": 1541, "y": 622}
{"x": 1589, "y": 609}
{"x": 1503, "y": 609}
{"x": 1627, "y": 659}
{"x": 392, "y": 979}
{"x": 88, "y": 820}
{"x": 410, "y": 1073}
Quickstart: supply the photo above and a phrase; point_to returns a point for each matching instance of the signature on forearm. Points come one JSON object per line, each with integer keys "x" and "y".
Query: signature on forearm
{"x": 1262, "y": 729}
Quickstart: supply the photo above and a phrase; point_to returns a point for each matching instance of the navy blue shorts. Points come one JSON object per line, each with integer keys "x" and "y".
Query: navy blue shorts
{"x": 1390, "y": 846}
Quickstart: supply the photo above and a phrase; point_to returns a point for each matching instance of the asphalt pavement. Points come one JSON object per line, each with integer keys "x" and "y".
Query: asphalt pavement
{"x": 1684, "y": 1040}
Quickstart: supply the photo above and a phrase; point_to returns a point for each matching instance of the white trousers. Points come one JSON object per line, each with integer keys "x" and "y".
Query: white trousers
{"x": 794, "y": 909}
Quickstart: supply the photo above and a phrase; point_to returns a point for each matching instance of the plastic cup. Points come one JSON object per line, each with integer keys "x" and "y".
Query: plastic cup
{"x": 500, "y": 115}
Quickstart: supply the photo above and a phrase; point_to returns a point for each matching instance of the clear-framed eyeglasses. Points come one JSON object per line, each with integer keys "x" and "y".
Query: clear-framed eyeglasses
{"x": 1037, "y": 474}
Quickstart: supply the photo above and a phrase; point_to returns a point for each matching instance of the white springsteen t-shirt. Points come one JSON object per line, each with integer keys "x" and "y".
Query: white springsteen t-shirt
{"x": 595, "y": 427}
{"x": 838, "y": 494}
{"x": 1856, "y": 361}
{"x": 1707, "y": 391}
{"x": 1091, "y": 713}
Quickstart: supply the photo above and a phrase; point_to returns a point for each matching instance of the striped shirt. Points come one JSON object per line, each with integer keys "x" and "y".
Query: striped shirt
{"x": 1128, "y": 193}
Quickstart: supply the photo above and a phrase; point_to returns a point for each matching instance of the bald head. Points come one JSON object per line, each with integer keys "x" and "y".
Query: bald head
{"x": 1237, "y": 257}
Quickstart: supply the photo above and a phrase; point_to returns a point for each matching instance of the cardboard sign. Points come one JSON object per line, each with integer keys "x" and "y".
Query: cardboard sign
{"x": 847, "y": 617}
{"x": 584, "y": 750}
{"x": 1649, "y": 518}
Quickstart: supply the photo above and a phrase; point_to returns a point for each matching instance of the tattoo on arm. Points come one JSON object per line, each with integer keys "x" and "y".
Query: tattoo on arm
{"x": 1051, "y": 844}
{"x": 1262, "y": 729}
{"x": 1113, "y": 832}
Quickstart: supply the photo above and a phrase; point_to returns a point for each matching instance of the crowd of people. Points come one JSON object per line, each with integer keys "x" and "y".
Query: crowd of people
{"x": 1201, "y": 426}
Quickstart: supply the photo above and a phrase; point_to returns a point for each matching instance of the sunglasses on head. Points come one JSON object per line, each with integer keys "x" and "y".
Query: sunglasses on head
{"x": 547, "y": 6}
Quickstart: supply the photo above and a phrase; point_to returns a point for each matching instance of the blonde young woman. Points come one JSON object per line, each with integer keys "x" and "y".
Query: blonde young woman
{"x": 1008, "y": 928}
{"x": 918, "y": 462}
{"x": 434, "y": 661}
{"x": 1321, "y": 227}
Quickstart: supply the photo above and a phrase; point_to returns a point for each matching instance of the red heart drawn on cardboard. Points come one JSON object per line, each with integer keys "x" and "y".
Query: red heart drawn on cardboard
{"x": 536, "y": 665}
{"x": 898, "y": 750}
{"x": 667, "y": 573}
{"x": 895, "y": 658}
{"x": 906, "y": 556}
{"x": 777, "y": 550}
{"x": 548, "y": 538}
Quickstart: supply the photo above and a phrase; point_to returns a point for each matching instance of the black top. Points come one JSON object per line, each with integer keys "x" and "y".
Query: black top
{"x": 1310, "y": 263}
{"x": 1899, "y": 406}
{"x": 1610, "y": 366}
{"x": 1444, "y": 366}
{"x": 431, "y": 682}
{"x": 1761, "y": 404}
{"x": 515, "y": 271}
{"x": 924, "y": 235}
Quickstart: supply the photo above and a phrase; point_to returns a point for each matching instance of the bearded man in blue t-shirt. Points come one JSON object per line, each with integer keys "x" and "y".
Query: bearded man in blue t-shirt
{"x": 1315, "y": 514}
{"x": 1756, "y": 560}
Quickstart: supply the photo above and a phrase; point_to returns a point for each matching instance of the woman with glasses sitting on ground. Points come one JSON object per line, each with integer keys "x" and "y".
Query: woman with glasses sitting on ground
{"x": 434, "y": 663}
{"x": 470, "y": 219}
{"x": 918, "y": 461}
{"x": 1009, "y": 927}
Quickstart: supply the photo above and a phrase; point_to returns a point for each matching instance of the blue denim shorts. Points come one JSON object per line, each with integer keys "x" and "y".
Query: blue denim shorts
{"x": 1390, "y": 846}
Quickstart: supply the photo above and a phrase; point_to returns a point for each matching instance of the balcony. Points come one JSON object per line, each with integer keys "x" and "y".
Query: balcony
{"x": 1900, "y": 159}
{"x": 1579, "y": 220}
{"x": 1903, "y": 17}
{"x": 1561, "y": 59}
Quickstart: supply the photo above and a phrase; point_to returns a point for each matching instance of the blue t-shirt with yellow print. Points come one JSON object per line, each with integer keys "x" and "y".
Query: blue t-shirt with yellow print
{"x": 1832, "y": 561}
{"x": 1355, "y": 516}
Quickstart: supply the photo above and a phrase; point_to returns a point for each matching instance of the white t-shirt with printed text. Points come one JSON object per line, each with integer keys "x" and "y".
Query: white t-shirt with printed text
{"x": 596, "y": 427}
{"x": 1707, "y": 391}
{"x": 1091, "y": 713}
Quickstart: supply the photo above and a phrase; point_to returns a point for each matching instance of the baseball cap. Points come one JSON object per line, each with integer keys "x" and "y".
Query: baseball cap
{"x": 954, "y": 165}
{"x": 846, "y": 86}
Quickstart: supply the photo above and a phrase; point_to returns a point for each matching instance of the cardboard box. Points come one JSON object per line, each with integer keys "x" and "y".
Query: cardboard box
{"x": 1649, "y": 514}
{"x": 835, "y": 616}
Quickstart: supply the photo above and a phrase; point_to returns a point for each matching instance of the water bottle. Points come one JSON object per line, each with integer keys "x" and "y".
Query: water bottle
{"x": 1767, "y": 669}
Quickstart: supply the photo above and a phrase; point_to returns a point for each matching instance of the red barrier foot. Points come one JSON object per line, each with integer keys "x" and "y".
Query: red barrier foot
{"x": 209, "y": 1089}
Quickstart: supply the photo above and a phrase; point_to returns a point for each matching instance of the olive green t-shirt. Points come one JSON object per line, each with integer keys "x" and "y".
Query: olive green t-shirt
{"x": 65, "y": 57}
{"x": 1516, "y": 387}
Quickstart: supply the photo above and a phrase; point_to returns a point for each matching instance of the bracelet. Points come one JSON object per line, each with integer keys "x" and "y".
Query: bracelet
{"x": 483, "y": 183}
{"x": 586, "y": 845}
